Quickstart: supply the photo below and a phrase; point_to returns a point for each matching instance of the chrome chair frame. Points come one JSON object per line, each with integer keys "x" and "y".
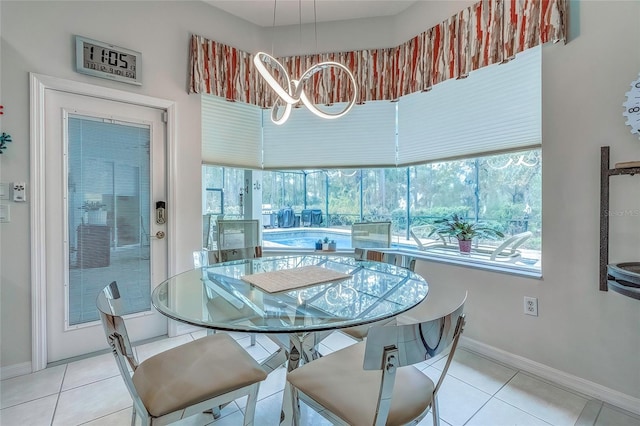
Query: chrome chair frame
{"x": 387, "y": 349}
{"x": 109, "y": 303}
{"x": 397, "y": 259}
{"x": 209, "y": 257}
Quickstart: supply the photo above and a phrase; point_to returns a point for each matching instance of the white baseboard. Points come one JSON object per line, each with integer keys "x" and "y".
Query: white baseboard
{"x": 15, "y": 370}
{"x": 569, "y": 381}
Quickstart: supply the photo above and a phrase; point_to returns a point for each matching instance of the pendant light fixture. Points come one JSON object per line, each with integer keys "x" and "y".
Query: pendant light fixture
{"x": 292, "y": 91}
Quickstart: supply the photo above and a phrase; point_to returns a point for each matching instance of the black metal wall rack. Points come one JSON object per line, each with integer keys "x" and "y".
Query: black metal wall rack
{"x": 605, "y": 173}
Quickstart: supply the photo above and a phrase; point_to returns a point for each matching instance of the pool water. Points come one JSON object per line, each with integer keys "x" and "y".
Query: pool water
{"x": 307, "y": 239}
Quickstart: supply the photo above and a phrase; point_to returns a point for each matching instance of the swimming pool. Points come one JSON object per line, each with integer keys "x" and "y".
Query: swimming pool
{"x": 306, "y": 238}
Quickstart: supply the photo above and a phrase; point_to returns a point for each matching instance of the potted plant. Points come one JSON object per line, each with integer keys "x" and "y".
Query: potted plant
{"x": 464, "y": 231}
{"x": 325, "y": 244}
{"x": 319, "y": 245}
{"x": 332, "y": 245}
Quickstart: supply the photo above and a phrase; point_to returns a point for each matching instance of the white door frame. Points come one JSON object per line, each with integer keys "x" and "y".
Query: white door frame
{"x": 38, "y": 84}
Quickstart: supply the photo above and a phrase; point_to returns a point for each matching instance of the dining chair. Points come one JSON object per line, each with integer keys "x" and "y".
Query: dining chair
{"x": 215, "y": 305}
{"x": 398, "y": 259}
{"x": 237, "y": 234}
{"x": 371, "y": 234}
{"x": 184, "y": 380}
{"x": 239, "y": 253}
{"x": 357, "y": 385}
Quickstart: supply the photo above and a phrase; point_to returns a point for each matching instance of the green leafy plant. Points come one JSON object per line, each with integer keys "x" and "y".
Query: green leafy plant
{"x": 326, "y": 240}
{"x": 463, "y": 230}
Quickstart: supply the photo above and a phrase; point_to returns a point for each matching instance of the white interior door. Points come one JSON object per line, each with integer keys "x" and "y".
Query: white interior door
{"x": 105, "y": 172}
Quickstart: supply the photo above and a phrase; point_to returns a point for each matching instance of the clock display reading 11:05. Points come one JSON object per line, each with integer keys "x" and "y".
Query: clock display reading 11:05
{"x": 110, "y": 61}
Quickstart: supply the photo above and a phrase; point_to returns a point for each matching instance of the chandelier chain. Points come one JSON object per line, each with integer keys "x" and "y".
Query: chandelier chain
{"x": 273, "y": 26}
{"x": 315, "y": 24}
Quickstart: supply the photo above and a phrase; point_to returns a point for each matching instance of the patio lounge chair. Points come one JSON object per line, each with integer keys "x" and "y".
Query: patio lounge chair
{"x": 424, "y": 241}
{"x": 507, "y": 251}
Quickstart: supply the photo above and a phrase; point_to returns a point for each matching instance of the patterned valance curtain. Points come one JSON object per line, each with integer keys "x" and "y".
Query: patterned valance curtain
{"x": 488, "y": 32}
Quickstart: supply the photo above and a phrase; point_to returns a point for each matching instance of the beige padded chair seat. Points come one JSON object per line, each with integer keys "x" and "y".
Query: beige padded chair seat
{"x": 165, "y": 385}
{"x": 359, "y": 332}
{"x": 338, "y": 382}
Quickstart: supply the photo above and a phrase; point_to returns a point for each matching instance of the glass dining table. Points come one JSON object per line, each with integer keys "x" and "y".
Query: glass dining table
{"x": 296, "y": 312}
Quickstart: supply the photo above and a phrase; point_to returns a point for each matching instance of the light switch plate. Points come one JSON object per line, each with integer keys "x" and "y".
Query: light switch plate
{"x": 4, "y": 191}
{"x": 19, "y": 190}
{"x": 5, "y": 213}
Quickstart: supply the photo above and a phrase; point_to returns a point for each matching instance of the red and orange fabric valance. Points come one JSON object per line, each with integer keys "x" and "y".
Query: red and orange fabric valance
{"x": 486, "y": 33}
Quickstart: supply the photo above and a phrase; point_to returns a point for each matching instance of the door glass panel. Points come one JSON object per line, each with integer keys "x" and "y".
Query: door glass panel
{"x": 108, "y": 214}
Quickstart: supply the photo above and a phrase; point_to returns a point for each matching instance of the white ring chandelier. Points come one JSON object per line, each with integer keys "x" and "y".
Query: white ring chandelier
{"x": 293, "y": 92}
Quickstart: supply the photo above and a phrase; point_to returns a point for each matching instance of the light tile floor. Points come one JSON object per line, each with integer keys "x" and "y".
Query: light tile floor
{"x": 477, "y": 392}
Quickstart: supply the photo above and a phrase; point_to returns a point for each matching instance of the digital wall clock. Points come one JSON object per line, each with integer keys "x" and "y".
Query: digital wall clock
{"x": 108, "y": 61}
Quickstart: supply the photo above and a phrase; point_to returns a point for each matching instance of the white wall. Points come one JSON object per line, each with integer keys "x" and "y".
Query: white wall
{"x": 581, "y": 331}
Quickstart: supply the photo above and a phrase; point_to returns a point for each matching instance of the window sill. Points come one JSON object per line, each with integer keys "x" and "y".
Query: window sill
{"x": 502, "y": 268}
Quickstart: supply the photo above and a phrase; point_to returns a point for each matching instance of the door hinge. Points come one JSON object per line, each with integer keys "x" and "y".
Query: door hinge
{"x": 165, "y": 116}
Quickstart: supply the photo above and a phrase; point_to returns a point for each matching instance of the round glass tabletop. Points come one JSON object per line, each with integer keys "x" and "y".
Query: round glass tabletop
{"x": 220, "y": 296}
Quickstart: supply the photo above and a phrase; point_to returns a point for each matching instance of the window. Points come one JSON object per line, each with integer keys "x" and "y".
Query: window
{"x": 470, "y": 146}
{"x": 502, "y": 191}
{"x": 221, "y": 191}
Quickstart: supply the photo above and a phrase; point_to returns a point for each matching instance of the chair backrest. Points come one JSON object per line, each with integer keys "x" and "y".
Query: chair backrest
{"x": 238, "y": 234}
{"x": 391, "y": 347}
{"x": 371, "y": 234}
{"x": 316, "y": 217}
{"x": 398, "y": 259}
{"x": 209, "y": 257}
{"x": 109, "y": 304}
{"x": 239, "y": 253}
{"x": 204, "y": 258}
{"x": 305, "y": 217}
{"x": 286, "y": 218}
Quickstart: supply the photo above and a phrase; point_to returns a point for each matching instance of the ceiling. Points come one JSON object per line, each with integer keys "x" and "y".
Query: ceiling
{"x": 292, "y": 12}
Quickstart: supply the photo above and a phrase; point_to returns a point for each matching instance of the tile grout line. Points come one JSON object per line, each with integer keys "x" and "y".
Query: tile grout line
{"x": 106, "y": 415}
{"x": 492, "y": 395}
{"x": 519, "y": 408}
{"x": 55, "y": 408}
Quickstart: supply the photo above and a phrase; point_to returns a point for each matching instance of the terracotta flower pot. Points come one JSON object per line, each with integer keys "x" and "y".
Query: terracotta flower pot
{"x": 465, "y": 246}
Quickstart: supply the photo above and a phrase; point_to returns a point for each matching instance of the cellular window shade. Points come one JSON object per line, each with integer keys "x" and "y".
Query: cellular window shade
{"x": 365, "y": 137}
{"x": 496, "y": 108}
{"x": 231, "y": 133}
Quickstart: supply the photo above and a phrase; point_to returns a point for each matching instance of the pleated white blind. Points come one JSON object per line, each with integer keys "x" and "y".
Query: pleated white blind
{"x": 231, "y": 133}
{"x": 496, "y": 108}
{"x": 365, "y": 137}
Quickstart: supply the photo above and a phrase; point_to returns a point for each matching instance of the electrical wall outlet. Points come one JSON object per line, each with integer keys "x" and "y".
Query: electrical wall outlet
{"x": 531, "y": 306}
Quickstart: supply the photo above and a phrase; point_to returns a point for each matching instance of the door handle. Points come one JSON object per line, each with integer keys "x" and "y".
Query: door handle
{"x": 159, "y": 235}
